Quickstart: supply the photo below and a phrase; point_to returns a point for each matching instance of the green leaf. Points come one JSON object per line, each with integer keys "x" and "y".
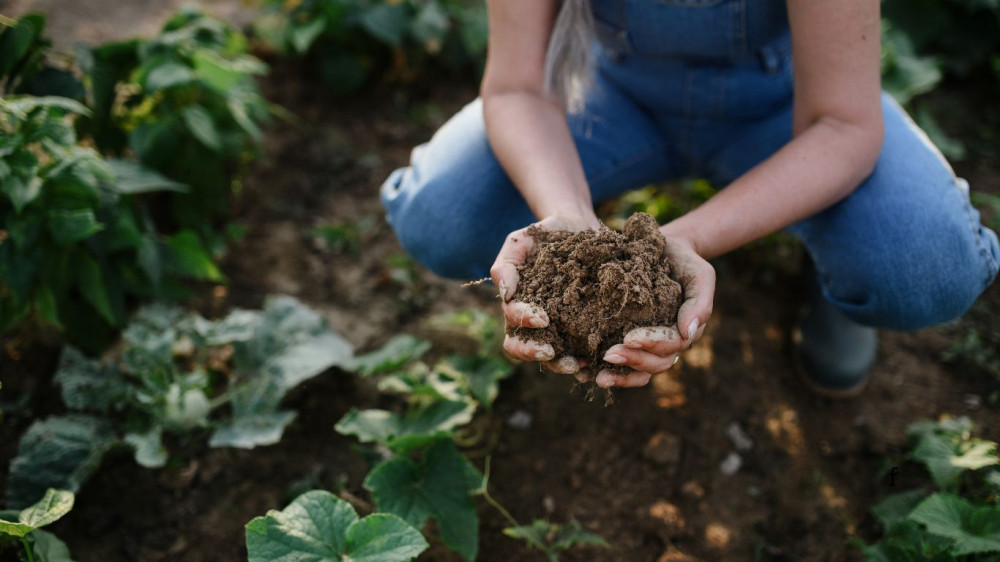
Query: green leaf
{"x": 249, "y": 431}
{"x": 149, "y": 449}
{"x": 16, "y": 530}
{"x": 430, "y": 26}
{"x": 167, "y": 75}
{"x": 440, "y": 486}
{"x": 88, "y": 384}
{"x": 894, "y": 509}
{"x": 199, "y": 121}
{"x": 482, "y": 375}
{"x": 385, "y": 427}
{"x": 394, "y": 355}
{"x": 386, "y": 22}
{"x": 16, "y": 41}
{"x": 21, "y": 190}
{"x": 302, "y": 36}
{"x": 51, "y": 508}
{"x": 131, "y": 177}
{"x": 45, "y": 303}
{"x": 947, "y": 449}
{"x": 69, "y": 227}
{"x": 48, "y": 548}
{"x": 59, "y": 452}
{"x": 974, "y": 530}
{"x": 320, "y": 527}
{"x": 94, "y": 288}
{"x": 551, "y": 538}
{"x": 187, "y": 257}
{"x": 27, "y": 104}
{"x": 222, "y": 74}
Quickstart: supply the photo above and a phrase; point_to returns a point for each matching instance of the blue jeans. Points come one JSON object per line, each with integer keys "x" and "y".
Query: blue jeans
{"x": 903, "y": 251}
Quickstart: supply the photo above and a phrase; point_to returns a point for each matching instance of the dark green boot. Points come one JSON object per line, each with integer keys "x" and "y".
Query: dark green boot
{"x": 833, "y": 354}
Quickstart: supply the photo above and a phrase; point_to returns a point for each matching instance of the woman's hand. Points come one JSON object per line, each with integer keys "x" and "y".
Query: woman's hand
{"x": 648, "y": 350}
{"x": 515, "y": 252}
{"x": 652, "y": 350}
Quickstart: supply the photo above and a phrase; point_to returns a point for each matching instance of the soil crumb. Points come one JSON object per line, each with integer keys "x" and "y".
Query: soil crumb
{"x": 596, "y": 286}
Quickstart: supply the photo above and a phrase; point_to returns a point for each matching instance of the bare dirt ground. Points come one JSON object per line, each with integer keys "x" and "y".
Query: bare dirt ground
{"x": 644, "y": 473}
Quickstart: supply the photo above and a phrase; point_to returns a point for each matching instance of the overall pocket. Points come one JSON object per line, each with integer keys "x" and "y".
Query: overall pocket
{"x": 698, "y": 30}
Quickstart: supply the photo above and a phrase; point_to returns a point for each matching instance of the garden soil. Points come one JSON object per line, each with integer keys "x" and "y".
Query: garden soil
{"x": 596, "y": 286}
{"x": 645, "y": 473}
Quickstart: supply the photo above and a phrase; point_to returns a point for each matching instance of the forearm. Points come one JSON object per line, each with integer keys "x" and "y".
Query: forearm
{"x": 820, "y": 167}
{"x": 530, "y": 138}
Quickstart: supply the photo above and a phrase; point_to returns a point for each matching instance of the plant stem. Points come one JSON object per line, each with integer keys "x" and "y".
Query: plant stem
{"x": 28, "y": 549}
{"x": 489, "y": 499}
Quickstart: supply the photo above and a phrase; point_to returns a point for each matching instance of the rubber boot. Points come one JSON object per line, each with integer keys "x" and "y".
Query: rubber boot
{"x": 833, "y": 354}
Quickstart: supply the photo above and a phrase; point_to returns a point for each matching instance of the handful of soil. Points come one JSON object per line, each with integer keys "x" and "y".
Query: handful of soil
{"x": 596, "y": 286}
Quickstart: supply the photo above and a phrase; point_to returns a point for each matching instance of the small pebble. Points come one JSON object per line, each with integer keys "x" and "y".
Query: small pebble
{"x": 731, "y": 464}
{"x": 520, "y": 420}
{"x": 663, "y": 449}
{"x": 973, "y": 401}
{"x": 739, "y": 438}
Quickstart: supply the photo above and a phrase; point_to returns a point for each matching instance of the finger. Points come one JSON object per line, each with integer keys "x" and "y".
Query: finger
{"x": 607, "y": 379}
{"x": 583, "y": 375}
{"x": 565, "y": 365}
{"x": 639, "y": 360}
{"x": 699, "y": 294}
{"x": 515, "y": 251}
{"x": 525, "y": 315}
{"x": 527, "y": 350}
{"x": 658, "y": 340}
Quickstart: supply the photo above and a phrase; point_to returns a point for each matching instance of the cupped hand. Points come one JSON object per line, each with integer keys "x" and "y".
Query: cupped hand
{"x": 515, "y": 251}
{"x": 652, "y": 350}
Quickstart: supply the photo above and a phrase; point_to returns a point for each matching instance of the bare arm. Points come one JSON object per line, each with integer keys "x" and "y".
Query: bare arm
{"x": 527, "y": 129}
{"x": 837, "y": 131}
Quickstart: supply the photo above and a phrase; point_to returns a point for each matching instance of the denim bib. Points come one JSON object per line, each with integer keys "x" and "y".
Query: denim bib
{"x": 710, "y": 31}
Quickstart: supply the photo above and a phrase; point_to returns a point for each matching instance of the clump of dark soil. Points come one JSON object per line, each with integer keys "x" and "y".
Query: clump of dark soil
{"x": 596, "y": 286}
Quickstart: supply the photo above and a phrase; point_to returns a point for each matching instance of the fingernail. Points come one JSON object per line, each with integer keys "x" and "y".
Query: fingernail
{"x": 536, "y": 322}
{"x": 503, "y": 291}
{"x": 676, "y": 359}
{"x": 614, "y": 358}
{"x": 692, "y": 328}
{"x": 545, "y": 353}
{"x": 605, "y": 380}
{"x": 569, "y": 365}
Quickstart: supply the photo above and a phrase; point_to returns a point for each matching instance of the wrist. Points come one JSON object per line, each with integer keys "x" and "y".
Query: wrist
{"x": 676, "y": 231}
{"x": 582, "y": 213}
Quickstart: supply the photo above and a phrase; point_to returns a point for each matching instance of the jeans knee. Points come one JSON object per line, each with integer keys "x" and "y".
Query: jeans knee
{"x": 429, "y": 226}
{"x": 915, "y": 286}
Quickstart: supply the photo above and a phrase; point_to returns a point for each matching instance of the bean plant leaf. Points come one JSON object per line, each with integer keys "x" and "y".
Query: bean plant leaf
{"x": 896, "y": 508}
{"x": 321, "y": 527}
{"x": 482, "y": 375}
{"x": 131, "y": 177}
{"x": 974, "y": 530}
{"x": 48, "y": 548}
{"x": 52, "y": 507}
{"x": 68, "y": 227}
{"x": 439, "y": 486}
{"x": 947, "y": 449}
{"x": 551, "y": 538}
{"x": 394, "y": 355}
{"x": 167, "y": 75}
{"x": 199, "y": 121}
{"x": 302, "y": 36}
{"x": 149, "y": 449}
{"x": 419, "y": 425}
{"x": 386, "y": 22}
{"x": 247, "y": 432}
{"x": 59, "y": 452}
{"x": 88, "y": 384}
{"x": 188, "y": 257}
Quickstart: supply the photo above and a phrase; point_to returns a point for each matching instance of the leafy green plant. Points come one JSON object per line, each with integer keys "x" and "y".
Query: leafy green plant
{"x": 419, "y": 471}
{"x": 176, "y": 374}
{"x": 959, "y": 521}
{"x": 25, "y": 67}
{"x": 186, "y": 104}
{"x": 322, "y": 527}
{"x": 24, "y": 527}
{"x": 551, "y": 538}
{"x": 357, "y": 40}
{"x": 75, "y": 243}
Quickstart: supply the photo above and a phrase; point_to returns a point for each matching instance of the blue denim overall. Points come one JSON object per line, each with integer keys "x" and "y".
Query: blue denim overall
{"x": 703, "y": 88}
